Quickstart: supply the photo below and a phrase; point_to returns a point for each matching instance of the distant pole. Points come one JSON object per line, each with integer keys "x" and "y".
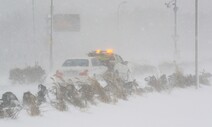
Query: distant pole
{"x": 51, "y": 37}
{"x": 33, "y": 19}
{"x": 173, "y": 4}
{"x": 175, "y": 31}
{"x": 196, "y": 45}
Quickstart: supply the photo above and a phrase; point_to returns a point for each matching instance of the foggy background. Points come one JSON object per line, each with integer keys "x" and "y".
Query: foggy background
{"x": 144, "y": 35}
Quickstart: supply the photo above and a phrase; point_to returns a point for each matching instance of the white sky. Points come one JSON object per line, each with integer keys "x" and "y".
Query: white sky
{"x": 146, "y": 27}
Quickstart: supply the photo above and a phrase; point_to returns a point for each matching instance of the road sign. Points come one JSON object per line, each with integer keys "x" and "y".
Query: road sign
{"x": 66, "y": 22}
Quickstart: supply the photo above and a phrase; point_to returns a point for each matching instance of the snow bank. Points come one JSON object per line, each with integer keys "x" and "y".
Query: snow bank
{"x": 181, "y": 108}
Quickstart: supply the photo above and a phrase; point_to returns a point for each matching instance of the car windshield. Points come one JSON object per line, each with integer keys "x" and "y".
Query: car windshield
{"x": 76, "y": 62}
{"x": 96, "y": 62}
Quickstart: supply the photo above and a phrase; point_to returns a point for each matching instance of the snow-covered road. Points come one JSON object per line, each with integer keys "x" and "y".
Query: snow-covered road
{"x": 188, "y": 107}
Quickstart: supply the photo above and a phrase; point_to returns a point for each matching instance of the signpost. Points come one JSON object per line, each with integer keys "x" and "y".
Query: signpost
{"x": 66, "y": 22}
{"x": 51, "y": 37}
{"x": 196, "y": 45}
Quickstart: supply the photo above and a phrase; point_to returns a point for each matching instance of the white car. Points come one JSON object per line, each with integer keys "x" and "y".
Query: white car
{"x": 81, "y": 68}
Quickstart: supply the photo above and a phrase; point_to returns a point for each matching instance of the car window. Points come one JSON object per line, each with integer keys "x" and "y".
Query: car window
{"x": 96, "y": 62}
{"x": 118, "y": 59}
{"x": 76, "y": 62}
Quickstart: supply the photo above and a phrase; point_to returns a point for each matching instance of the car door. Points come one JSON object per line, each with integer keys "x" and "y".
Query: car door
{"x": 97, "y": 68}
{"x": 120, "y": 67}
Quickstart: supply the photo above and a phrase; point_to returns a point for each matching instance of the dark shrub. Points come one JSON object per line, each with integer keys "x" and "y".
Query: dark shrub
{"x": 29, "y": 74}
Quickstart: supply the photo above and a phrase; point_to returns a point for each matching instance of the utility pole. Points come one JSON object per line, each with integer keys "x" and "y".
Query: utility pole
{"x": 51, "y": 37}
{"x": 175, "y": 30}
{"x": 33, "y": 20}
{"x": 196, "y": 45}
{"x": 173, "y": 4}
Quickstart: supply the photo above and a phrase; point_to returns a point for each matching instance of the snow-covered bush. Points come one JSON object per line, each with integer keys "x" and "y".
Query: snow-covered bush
{"x": 30, "y": 102}
{"x": 158, "y": 84}
{"x": 99, "y": 91}
{"x": 9, "y": 106}
{"x": 204, "y": 78}
{"x": 179, "y": 80}
{"x": 29, "y": 74}
{"x": 176, "y": 79}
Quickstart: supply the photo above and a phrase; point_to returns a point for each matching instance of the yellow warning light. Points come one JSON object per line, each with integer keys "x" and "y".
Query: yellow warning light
{"x": 109, "y": 51}
{"x": 98, "y": 51}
